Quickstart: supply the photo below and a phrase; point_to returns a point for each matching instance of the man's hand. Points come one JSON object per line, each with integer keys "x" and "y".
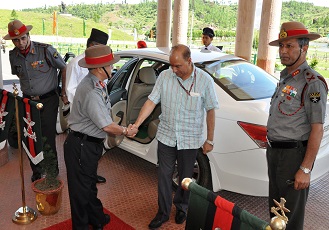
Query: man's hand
{"x": 64, "y": 99}
{"x": 132, "y": 130}
{"x": 206, "y": 148}
{"x": 302, "y": 180}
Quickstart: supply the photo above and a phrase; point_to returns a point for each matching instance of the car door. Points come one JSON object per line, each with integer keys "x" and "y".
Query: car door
{"x": 117, "y": 89}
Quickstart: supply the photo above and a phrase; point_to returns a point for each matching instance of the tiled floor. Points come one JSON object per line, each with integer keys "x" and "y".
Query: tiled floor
{"x": 130, "y": 193}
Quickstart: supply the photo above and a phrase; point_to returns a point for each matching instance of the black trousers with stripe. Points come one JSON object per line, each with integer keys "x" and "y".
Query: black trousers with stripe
{"x": 81, "y": 160}
{"x": 282, "y": 167}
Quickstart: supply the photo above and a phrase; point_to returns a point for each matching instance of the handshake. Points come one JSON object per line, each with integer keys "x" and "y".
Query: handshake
{"x": 131, "y": 130}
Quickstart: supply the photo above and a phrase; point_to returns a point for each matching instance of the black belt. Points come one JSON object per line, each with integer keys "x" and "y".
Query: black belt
{"x": 286, "y": 144}
{"x": 83, "y": 136}
{"x": 39, "y": 97}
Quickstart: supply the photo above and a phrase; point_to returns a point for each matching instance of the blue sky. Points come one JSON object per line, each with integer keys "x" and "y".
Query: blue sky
{"x": 21, "y": 4}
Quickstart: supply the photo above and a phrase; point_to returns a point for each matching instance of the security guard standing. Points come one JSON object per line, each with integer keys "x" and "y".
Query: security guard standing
{"x": 89, "y": 124}
{"x": 36, "y": 65}
{"x": 207, "y": 37}
{"x": 295, "y": 123}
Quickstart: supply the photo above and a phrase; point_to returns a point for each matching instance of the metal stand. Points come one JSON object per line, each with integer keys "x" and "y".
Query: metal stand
{"x": 24, "y": 215}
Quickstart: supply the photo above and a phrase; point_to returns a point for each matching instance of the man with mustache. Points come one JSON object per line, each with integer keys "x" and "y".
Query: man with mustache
{"x": 295, "y": 123}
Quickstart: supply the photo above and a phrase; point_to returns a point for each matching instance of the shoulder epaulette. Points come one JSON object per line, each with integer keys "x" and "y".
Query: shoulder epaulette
{"x": 44, "y": 45}
{"x": 312, "y": 76}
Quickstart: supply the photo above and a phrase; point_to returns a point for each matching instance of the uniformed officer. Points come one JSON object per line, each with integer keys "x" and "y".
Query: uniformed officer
{"x": 36, "y": 65}
{"x": 207, "y": 37}
{"x": 75, "y": 73}
{"x": 89, "y": 123}
{"x": 295, "y": 124}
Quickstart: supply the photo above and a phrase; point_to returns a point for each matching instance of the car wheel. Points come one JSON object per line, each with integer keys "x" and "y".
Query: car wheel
{"x": 201, "y": 172}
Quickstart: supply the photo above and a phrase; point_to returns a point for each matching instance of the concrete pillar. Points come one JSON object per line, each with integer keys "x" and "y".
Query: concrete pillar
{"x": 245, "y": 28}
{"x": 163, "y": 23}
{"x": 180, "y": 22}
{"x": 269, "y": 31}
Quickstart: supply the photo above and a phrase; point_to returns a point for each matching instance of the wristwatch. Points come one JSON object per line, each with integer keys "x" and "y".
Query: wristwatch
{"x": 210, "y": 142}
{"x": 305, "y": 170}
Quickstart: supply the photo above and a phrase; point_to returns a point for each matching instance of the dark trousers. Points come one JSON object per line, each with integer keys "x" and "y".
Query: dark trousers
{"x": 81, "y": 160}
{"x": 48, "y": 115}
{"x": 167, "y": 157}
{"x": 282, "y": 167}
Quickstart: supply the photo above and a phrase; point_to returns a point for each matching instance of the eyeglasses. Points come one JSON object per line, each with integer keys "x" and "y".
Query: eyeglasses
{"x": 20, "y": 39}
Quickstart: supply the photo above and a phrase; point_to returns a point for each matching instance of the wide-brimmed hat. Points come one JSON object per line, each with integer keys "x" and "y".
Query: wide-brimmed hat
{"x": 98, "y": 56}
{"x": 98, "y": 36}
{"x": 208, "y": 31}
{"x": 16, "y": 29}
{"x": 291, "y": 30}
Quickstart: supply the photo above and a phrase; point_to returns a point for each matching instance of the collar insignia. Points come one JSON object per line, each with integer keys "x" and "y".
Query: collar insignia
{"x": 296, "y": 72}
{"x": 315, "y": 97}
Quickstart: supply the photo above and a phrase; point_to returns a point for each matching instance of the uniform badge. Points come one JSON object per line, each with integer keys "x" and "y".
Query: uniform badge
{"x": 315, "y": 97}
{"x": 283, "y": 34}
{"x": 34, "y": 64}
{"x": 56, "y": 55}
{"x": 290, "y": 90}
{"x": 295, "y": 73}
{"x": 16, "y": 32}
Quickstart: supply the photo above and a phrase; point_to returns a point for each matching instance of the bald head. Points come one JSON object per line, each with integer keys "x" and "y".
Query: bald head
{"x": 182, "y": 50}
{"x": 181, "y": 61}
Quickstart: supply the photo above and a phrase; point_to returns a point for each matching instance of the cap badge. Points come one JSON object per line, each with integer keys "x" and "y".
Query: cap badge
{"x": 16, "y": 31}
{"x": 283, "y": 34}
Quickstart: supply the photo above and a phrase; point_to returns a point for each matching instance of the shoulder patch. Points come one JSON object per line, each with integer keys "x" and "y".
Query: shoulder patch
{"x": 55, "y": 54}
{"x": 315, "y": 97}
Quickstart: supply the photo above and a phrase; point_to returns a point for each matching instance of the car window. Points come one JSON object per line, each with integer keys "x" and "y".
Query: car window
{"x": 147, "y": 64}
{"x": 242, "y": 80}
{"x": 122, "y": 72}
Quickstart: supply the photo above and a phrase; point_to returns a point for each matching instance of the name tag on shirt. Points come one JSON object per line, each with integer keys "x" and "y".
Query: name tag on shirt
{"x": 193, "y": 94}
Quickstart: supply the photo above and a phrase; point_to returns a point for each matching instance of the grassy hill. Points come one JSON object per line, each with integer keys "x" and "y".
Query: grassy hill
{"x": 68, "y": 26}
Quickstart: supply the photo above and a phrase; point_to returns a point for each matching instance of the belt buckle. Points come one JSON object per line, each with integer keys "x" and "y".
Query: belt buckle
{"x": 35, "y": 98}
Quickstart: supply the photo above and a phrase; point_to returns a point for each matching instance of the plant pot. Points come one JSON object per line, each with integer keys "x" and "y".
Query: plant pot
{"x": 49, "y": 201}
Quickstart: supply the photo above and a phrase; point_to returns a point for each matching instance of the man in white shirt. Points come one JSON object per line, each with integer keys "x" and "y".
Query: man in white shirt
{"x": 207, "y": 37}
{"x": 75, "y": 73}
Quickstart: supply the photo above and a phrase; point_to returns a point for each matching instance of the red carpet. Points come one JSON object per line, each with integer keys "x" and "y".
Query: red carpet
{"x": 115, "y": 224}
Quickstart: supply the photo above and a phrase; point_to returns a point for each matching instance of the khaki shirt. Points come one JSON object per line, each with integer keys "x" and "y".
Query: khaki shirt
{"x": 37, "y": 71}
{"x": 293, "y": 109}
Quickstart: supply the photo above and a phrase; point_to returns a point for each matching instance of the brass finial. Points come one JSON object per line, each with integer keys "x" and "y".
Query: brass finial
{"x": 280, "y": 221}
{"x": 186, "y": 182}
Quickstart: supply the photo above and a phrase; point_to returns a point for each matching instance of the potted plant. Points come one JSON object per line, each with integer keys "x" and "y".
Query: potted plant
{"x": 48, "y": 189}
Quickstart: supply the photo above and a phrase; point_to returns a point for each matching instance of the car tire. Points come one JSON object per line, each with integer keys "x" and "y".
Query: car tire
{"x": 201, "y": 175}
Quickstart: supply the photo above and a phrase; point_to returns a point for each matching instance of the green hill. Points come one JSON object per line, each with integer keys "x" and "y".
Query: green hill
{"x": 123, "y": 19}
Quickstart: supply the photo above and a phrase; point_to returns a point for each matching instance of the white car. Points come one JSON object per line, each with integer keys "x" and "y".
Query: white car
{"x": 238, "y": 160}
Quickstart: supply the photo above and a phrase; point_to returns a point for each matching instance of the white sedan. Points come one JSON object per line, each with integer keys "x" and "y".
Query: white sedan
{"x": 238, "y": 160}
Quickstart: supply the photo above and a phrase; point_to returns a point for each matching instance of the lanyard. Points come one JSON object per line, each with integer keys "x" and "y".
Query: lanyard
{"x": 188, "y": 91}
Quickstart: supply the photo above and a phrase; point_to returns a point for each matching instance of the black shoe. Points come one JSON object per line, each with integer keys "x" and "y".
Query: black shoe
{"x": 180, "y": 217}
{"x": 100, "y": 179}
{"x": 106, "y": 221}
{"x": 157, "y": 222}
{"x": 35, "y": 177}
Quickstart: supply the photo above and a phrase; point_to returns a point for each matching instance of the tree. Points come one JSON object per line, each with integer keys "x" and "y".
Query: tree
{"x": 13, "y": 15}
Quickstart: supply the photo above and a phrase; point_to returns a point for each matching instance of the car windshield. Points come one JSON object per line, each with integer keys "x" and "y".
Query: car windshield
{"x": 241, "y": 79}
